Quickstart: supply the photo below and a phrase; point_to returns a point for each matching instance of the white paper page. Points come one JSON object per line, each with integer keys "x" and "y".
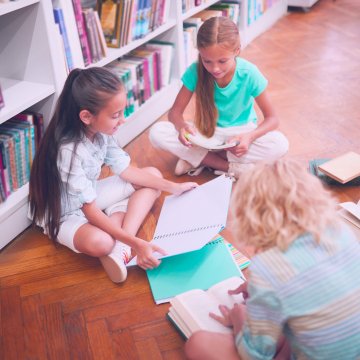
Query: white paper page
{"x": 203, "y": 206}
{"x": 189, "y": 221}
{"x": 198, "y": 303}
{"x": 352, "y": 208}
{"x": 220, "y": 291}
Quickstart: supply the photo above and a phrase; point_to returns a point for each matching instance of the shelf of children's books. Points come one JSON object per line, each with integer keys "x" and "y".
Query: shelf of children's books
{"x": 11, "y": 6}
{"x": 20, "y": 95}
{"x": 15, "y": 200}
{"x": 197, "y": 9}
{"x": 248, "y": 32}
{"x": 148, "y": 113}
{"x": 114, "y": 54}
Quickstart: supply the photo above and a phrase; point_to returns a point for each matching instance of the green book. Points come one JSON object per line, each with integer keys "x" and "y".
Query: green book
{"x": 199, "y": 269}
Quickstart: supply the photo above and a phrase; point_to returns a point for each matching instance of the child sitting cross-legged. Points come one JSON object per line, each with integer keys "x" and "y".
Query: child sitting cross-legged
{"x": 302, "y": 295}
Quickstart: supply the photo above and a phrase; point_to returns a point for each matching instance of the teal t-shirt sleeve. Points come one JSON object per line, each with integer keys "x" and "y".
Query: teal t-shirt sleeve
{"x": 258, "y": 81}
{"x": 190, "y": 77}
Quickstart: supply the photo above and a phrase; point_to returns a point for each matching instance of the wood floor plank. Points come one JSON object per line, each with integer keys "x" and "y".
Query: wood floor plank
{"x": 77, "y": 336}
{"x": 34, "y": 328}
{"x": 13, "y": 346}
{"x": 56, "y": 340}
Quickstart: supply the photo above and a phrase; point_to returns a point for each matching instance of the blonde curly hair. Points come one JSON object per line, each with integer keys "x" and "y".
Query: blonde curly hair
{"x": 276, "y": 202}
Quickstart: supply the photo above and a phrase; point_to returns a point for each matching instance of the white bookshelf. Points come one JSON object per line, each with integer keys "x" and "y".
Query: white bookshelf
{"x": 32, "y": 73}
{"x": 249, "y": 32}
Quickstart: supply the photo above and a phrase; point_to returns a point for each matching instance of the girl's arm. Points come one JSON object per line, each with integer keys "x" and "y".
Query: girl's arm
{"x": 176, "y": 115}
{"x": 269, "y": 123}
{"x": 144, "y": 249}
{"x": 143, "y": 178}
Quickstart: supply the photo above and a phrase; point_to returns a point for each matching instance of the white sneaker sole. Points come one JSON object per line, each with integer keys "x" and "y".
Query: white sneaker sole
{"x": 115, "y": 268}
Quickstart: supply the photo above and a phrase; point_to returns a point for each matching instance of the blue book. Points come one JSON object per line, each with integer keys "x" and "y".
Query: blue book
{"x": 198, "y": 269}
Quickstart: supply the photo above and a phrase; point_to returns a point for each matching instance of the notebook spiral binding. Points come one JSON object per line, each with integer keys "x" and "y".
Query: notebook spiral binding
{"x": 186, "y": 231}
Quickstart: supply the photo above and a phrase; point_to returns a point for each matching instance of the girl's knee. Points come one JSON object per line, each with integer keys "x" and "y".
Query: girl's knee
{"x": 156, "y": 134}
{"x": 195, "y": 347}
{"x": 100, "y": 244}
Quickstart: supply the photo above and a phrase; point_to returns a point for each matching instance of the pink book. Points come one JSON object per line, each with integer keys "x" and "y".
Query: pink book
{"x": 85, "y": 48}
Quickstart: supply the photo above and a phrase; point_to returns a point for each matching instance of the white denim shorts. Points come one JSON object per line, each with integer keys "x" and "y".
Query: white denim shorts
{"x": 112, "y": 196}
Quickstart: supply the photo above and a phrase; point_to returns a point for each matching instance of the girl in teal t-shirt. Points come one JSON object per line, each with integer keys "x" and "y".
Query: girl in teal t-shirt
{"x": 226, "y": 88}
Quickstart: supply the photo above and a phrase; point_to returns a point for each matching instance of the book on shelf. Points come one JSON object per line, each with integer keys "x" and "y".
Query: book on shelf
{"x": 209, "y": 143}
{"x": 59, "y": 19}
{"x": 199, "y": 269}
{"x": 80, "y": 23}
{"x": 343, "y": 168}
{"x": 189, "y": 311}
{"x": 5, "y": 143}
{"x": 188, "y": 221}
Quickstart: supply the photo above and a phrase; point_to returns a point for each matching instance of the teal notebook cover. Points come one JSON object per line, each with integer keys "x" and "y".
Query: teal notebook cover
{"x": 198, "y": 269}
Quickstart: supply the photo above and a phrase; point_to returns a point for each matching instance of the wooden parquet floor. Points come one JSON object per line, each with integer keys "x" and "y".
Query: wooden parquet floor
{"x": 56, "y": 304}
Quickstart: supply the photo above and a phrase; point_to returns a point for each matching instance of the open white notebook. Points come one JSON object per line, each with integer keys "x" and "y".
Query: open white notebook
{"x": 187, "y": 222}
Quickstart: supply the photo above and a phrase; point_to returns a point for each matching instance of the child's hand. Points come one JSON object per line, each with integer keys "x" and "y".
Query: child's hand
{"x": 241, "y": 289}
{"x": 231, "y": 317}
{"x": 144, "y": 251}
{"x": 244, "y": 140}
{"x": 180, "y": 188}
{"x": 184, "y": 130}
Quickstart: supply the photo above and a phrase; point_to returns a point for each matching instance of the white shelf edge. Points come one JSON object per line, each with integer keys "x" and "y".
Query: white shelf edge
{"x": 20, "y": 95}
{"x": 302, "y": 3}
{"x": 6, "y": 8}
{"x": 139, "y": 121}
{"x": 15, "y": 200}
{"x": 113, "y": 53}
{"x": 197, "y": 9}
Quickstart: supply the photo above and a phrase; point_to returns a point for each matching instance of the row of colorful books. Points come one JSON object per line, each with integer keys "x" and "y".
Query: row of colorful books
{"x": 144, "y": 71}
{"x": 256, "y": 8}
{"x": 19, "y": 140}
{"x": 230, "y": 8}
{"x": 126, "y": 20}
{"x": 189, "y": 4}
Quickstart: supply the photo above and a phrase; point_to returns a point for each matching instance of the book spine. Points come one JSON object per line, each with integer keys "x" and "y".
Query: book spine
{"x": 4, "y": 147}
{"x": 2, "y": 102}
{"x": 82, "y": 32}
{"x": 90, "y": 35}
{"x": 59, "y": 19}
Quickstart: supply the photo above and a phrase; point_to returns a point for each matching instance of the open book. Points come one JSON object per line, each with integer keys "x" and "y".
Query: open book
{"x": 189, "y": 311}
{"x": 188, "y": 221}
{"x": 209, "y": 143}
{"x": 342, "y": 168}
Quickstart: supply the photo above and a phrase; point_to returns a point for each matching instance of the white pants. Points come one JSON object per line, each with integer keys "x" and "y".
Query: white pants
{"x": 268, "y": 147}
{"x": 112, "y": 196}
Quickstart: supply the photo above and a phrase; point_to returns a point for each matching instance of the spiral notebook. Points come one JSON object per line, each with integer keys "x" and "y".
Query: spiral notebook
{"x": 198, "y": 269}
{"x": 187, "y": 222}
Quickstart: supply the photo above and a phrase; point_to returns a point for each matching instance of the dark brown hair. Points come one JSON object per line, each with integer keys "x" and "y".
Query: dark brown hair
{"x": 88, "y": 89}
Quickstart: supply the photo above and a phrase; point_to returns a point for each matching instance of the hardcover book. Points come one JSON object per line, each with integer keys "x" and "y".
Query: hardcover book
{"x": 189, "y": 311}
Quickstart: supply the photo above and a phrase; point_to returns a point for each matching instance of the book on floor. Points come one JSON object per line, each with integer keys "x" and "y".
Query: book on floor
{"x": 210, "y": 143}
{"x": 188, "y": 221}
{"x": 199, "y": 269}
{"x": 314, "y": 169}
{"x": 343, "y": 168}
{"x": 189, "y": 311}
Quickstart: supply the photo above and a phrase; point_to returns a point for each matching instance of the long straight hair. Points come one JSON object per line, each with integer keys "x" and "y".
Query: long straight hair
{"x": 88, "y": 89}
{"x": 214, "y": 31}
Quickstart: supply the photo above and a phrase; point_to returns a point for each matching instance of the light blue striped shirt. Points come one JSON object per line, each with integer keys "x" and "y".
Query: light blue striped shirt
{"x": 311, "y": 294}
